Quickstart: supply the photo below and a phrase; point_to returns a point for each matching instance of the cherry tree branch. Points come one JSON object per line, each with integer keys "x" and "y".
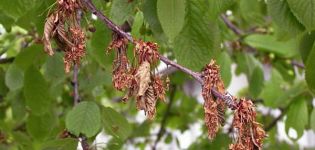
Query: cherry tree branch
{"x": 230, "y": 25}
{"x": 115, "y": 28}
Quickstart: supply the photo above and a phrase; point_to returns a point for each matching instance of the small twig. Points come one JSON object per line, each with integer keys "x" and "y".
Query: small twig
{"x": 297, "y": 64}
{"x": 165, "y": 117}
{"x": 274, "y": 122}
{"x": 230, "y": 25}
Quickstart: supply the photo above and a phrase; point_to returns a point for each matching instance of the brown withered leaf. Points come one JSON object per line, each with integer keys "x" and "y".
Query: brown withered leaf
{"x": 143, "y": 77}
{"x": 146, "y": 51}
{"x": 158, "y": 87}
{"x": 147, "y": 102}
{"x": 214, "y": 108}
{"x": 50, "y": 26}
{"x": 250, "y": 134}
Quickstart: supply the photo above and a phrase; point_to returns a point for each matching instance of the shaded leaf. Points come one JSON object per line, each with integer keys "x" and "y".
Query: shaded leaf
{"x": 61, "y": 144}
{"x": 224, "y": 61}
{"x": 297, "y": 117}
{"x": 310, "y": 71}
{"x": 36, "y": 91}
{"x": 312, "y": 120}
{"x": 256, "y": 81}
{"x": 39, "y": 127}
{"x": 306, "y": 45}
{"x": 14, "y": 77}
{"x": 121, "y": 10}
{"x": 115, "y": 124}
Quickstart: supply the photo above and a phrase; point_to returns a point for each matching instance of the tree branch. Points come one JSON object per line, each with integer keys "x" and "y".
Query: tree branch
{"x": 91, "y": 7}
{"x": 230, "y": 25}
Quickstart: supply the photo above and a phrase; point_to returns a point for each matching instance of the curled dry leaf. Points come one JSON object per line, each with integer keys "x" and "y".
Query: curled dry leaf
{"x": 214, "y": 108}
{"x": 147, "y": 102}
{"x": 117, "y": 43}
{"x": 49, "y": 28}
{"x": 143, "y": 77}
{"x": 250, "y": 134}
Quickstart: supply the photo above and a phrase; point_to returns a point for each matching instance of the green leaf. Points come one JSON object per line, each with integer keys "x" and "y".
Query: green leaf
{"x": 26, "y": 57}
{"x": 61, "y": 144}
{"x": 171, "y": 14}
{"x": 224, "y": 61}
{"x": 14, "y": 77}
{"x": 39, "y": 127}
{"x": 150, "y": 16}
{"x": 286, "y": 97}
{"x": 23, "y": 140}
{"x": 304, "y": 11}
{"x": 36, "y": 91}
{"x": 84, "y": 118}
{"x": 121, "y": 11}
{"x": 137, "y": 25}
{"x": 6, "y": 21}
{"x": 251, "y": 12}
{"x": 272, "y": 89}
{"x": 306, "y": 45}
{"x": 270, "y": 44}
{"x": 54, "y": 68}
{"x": 297, "y": 117}
{"x": 18, "y": 8}
{"x": 310, "y": 71}
{"x": 197, "y": 42}
{"x": 312, "y": 120}
{"x": 256, "y": 81}
{"x": 283, "y": 17}
{"x": 99, "y": 43}
{"x": 115, "y": 124}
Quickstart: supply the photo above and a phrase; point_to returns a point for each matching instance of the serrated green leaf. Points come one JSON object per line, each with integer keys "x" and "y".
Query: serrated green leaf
{"x": 84, "y": 118}
{"x": 306, "y": 45}
{"x": 197, "y": 42}
{"x": 312, "y": 120}
{"x": 115, "y": 124}
{"x": 36, "y": 91}
{"x": 14, "y": 77}
{"x": 310, "y": 71}
{"x": 171, "y": 14}
{"x": 54, "y": 68}
{"x": 39, "y": 127}
{"x": 224, "y": 61}
{"x": 256, "y": 81}
{"x": 270, "y": 44}
{"x": 297, "y": 117}
{"x": 304, "y": 11}
{"x": 121, "y": 11}
{"x": 61, "y": 144}
{"x": 283, "y": 17}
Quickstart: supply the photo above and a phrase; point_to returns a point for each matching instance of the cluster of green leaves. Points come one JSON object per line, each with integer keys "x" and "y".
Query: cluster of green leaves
{"x": 36, "y": 103}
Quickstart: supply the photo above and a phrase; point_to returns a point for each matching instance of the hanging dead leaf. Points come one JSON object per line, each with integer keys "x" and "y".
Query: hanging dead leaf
{"x": 143, "y": 77}
{"x": 49, "y": 28}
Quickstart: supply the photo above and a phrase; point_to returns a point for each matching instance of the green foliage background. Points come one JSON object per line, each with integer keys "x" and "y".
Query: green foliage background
{"x": 36, "y": 103}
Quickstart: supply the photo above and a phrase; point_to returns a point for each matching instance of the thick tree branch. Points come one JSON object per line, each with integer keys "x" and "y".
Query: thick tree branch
{"x": 91, "y": 7}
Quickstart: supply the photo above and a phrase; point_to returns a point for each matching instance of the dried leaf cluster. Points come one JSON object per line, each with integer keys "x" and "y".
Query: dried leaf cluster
{"x": 213, "y": 108}
{"x": 138, "y": 80}
{"x": 250, "y": 133}
{"x": 62, "y": 26}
